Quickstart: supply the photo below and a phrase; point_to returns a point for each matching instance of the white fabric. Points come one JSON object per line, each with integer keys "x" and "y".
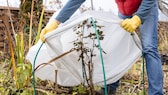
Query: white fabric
{"x": 120, "y": 47}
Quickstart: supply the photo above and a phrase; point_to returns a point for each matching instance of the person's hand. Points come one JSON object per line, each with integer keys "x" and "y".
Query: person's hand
{"x": 49, "y": 28}
{"x": 130, "y": 24}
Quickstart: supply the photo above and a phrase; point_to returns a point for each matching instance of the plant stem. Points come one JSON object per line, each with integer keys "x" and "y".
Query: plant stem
{"x": 31, "y": 19}
{"x": 6, "y": 23}
{"x": 13, "y": 30}
{"x": 40, "y": 24}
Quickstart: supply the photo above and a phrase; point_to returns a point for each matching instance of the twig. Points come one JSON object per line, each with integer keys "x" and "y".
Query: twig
{"x": 52, "y": 60}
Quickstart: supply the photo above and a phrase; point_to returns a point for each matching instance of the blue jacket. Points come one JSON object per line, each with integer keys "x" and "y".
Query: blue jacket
{"x": 72, "y": 5}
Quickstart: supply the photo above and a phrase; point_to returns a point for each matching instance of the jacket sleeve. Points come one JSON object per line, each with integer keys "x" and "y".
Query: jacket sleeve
{"x": 67, "y": 11}
{"x": 145, "y": 8}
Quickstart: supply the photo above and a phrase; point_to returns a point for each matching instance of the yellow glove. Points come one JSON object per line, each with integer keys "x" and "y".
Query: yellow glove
{"x": 131, "y": 24}
{"x": 49, "y": 28}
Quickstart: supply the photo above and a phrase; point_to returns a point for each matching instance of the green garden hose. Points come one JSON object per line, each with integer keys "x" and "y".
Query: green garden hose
{"x": 101, "y": 56}
{"x": 34, "y": 81}
{"x": 143, "y": 74}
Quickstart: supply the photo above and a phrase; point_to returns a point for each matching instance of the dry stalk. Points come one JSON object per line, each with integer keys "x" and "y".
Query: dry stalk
{"x": 52, "y": 60}
{"x": 31, "y": 19}
{"x": 13, "y": 30}
{"x": 6, "y": 24}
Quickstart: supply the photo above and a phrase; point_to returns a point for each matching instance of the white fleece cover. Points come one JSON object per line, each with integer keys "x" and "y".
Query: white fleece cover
{"x": 122, "y": 51}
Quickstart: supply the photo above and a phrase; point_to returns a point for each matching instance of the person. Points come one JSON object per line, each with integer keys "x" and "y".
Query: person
{"x": 141, "y": 14}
